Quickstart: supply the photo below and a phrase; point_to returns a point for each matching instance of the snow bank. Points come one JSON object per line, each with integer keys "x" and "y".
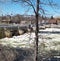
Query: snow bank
{"x": 47, "y": 41}
{"x": 18, "y": 41}
{"x": 51, "y": 29}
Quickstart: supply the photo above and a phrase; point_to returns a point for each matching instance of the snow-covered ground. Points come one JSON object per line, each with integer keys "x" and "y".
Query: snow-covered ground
{"x": 51, "y": 29}
{"x": 46, "y": 40}
{"x": 18, "y": 41}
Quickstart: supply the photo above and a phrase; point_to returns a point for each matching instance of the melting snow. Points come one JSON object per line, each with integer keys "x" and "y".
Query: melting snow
{"x": 51, "y": 41}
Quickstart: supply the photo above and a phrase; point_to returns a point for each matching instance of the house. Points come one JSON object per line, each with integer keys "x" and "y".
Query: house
{"x": 58, "y": 20}
{"x": 5, "y": 19}
{"x": 52, "y": 21}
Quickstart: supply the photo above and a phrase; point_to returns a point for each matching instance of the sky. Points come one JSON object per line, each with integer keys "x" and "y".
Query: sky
{"x": 7, "y": 7}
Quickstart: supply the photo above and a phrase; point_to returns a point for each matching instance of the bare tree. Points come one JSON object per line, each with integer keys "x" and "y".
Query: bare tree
{"x": 36, "y": 5}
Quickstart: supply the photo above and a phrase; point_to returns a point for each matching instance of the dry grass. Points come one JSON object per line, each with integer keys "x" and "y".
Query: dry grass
{"x": 15, "y": 54}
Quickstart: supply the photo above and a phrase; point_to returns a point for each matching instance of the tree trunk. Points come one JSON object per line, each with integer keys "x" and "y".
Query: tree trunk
{"x": 37, "y": 28}
{"x": 36, "y": 33}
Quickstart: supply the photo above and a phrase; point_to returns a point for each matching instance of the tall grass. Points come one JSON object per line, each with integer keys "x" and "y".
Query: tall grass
{"x": 2, "y": 35}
